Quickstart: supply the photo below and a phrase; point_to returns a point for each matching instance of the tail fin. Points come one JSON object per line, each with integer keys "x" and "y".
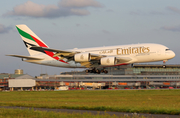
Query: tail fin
{"x": 30, "y": 39}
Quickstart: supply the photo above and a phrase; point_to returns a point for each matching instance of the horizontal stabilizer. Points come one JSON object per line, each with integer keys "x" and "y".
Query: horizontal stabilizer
{"x": 26, "y": 57}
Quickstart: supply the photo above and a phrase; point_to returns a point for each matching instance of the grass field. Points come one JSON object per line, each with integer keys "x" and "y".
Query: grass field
{"x": 139, "y": 101}
{"x": 18, "y": 113}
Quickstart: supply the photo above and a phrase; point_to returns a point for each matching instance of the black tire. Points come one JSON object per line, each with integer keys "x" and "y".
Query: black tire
{"x": 97, "y": 71}
{"x": 86, "y": 71}
{"x": 105, "y": 71}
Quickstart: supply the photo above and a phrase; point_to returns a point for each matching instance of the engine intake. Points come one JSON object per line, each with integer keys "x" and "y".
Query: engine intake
{"x": 108, "y": 61}
{"x": 82, "y": 57}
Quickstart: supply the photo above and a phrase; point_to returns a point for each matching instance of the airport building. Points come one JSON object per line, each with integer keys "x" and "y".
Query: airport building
{"x": 122, "y": 77}
{"x": 140, "y": 71}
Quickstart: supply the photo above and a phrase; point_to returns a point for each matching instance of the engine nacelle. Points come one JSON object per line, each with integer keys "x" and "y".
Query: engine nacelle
{"x": 82, "y": 57}
{"x": 108, "y": 61}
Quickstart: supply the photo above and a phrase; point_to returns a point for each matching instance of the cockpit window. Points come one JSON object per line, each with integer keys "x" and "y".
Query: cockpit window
{"x": 167, "y": 49}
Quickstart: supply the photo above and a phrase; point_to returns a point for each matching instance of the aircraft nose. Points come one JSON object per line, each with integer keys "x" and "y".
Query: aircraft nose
{"x": 172, "y": 54}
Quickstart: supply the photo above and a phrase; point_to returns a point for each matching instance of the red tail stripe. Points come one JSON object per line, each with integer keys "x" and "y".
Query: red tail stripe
{"x": 51, "y": 54}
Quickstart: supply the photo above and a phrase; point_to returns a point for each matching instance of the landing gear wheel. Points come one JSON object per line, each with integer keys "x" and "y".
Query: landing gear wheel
{"x": 98, "y": 71}
{"x": 105, "y": 71}
{"x": 164, "y": 66}
{"x": 94, "y": 70}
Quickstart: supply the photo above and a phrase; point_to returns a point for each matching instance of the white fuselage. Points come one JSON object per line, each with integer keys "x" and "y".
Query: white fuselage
{"x": 138, "y": 53}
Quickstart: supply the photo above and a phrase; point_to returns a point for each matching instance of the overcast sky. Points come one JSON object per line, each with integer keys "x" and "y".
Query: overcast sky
{"x": 66, "y": 24}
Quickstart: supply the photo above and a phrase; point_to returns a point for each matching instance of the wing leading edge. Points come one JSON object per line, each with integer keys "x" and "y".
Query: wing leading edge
{"x": 64, "y": 54}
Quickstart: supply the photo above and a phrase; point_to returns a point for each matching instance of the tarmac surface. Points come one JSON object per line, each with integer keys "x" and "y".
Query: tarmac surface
{"x": 96, "y": 112}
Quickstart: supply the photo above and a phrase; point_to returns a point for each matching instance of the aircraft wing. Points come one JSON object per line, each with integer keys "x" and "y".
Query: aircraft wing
{"x": 26, "y": 57}
{"x": 64, "y": 54}
{"x": 95, "y": 58}
{"x": 95, "y": 62}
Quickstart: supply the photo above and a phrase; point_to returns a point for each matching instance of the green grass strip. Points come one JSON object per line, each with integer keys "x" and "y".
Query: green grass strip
{"x": 31, "y": 113}
{"x": 133, "y": 101}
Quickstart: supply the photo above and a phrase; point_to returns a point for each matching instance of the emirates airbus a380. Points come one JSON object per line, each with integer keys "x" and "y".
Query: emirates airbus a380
{"x": 96, "y": 59}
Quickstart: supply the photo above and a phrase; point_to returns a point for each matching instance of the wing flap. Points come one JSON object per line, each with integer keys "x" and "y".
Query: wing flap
{"x": 26, "y": 57}
{"x": 86, "y": 64}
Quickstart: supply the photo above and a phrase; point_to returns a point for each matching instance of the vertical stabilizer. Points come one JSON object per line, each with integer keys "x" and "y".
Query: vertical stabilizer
{"x": 30, "y": 39}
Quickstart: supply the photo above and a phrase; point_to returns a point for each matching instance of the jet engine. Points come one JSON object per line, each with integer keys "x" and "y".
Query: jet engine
{"x": 108, "y": 61}
{"x": 82, "y": 57}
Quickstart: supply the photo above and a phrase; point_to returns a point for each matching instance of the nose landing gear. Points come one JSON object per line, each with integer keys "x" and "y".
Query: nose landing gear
{"x": 164, "y": 63}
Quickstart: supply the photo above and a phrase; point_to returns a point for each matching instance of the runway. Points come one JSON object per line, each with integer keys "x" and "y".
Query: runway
{"x": 96, "y": 112}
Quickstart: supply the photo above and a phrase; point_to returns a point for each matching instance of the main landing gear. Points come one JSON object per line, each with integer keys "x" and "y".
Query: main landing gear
{"x": 95, "y": 70}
